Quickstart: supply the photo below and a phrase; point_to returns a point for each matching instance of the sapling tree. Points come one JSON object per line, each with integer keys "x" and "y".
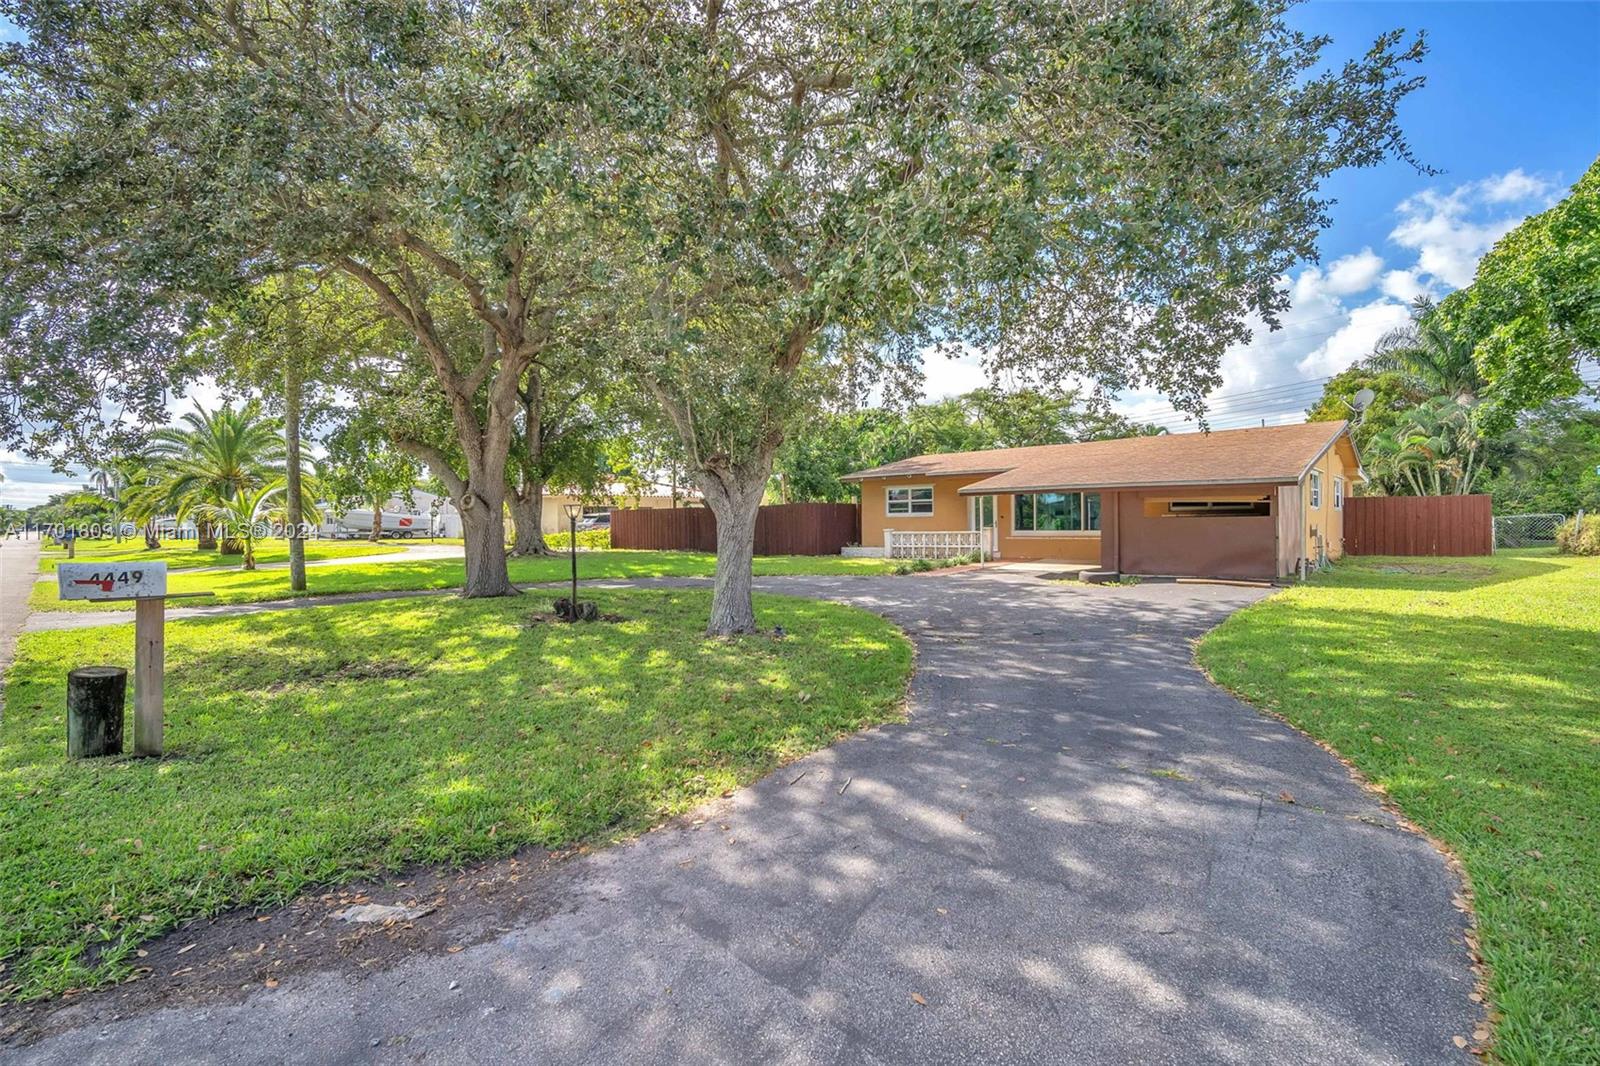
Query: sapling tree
{"x": 1104, "y": 192}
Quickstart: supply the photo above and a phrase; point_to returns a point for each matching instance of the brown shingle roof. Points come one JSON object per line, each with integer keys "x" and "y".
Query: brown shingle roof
{"x": 1229, "y": 456}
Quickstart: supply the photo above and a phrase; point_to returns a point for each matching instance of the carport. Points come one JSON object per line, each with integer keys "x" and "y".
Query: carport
{"x": 1230, "y": 534}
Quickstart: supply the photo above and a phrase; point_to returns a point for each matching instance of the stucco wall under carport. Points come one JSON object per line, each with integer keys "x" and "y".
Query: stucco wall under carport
{"x": 1190, "y": 546}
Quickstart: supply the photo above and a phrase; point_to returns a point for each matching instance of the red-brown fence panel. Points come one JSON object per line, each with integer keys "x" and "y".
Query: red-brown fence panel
{"x": 1419, "y": 525}
{"x": 782, "y": 529}
{"x": 664, "y": 529}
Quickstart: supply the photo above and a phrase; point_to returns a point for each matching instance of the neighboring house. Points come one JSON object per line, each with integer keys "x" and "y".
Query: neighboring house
{"x": 554, "y": 519}
{"x": 1244, "y": 503}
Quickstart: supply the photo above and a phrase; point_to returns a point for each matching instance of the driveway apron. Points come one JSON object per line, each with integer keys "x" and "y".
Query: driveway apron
{"x": 1076, "y": 850}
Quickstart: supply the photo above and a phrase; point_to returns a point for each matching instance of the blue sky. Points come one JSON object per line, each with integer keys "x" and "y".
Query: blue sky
{"x": 1510, "y": 117}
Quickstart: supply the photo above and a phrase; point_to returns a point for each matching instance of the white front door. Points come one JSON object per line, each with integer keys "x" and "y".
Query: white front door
{"x": 980, "y": 516}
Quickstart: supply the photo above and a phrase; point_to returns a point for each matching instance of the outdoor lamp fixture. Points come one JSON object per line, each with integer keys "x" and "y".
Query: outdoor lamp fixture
{"x": 433, "y": 518}
{"x": 573, "y": 511}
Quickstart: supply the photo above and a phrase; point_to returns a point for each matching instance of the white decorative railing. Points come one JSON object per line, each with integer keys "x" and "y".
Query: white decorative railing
{"x": 933, "y": 544}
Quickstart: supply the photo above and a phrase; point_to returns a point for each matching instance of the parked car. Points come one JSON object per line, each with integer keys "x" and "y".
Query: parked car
{"x": 597, "y": 520}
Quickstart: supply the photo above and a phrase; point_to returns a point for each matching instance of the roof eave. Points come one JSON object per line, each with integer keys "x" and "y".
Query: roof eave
{"x": 874, "y": 474}
{"x": 1344, "y": 428}
{"x": 1267, "y": 479}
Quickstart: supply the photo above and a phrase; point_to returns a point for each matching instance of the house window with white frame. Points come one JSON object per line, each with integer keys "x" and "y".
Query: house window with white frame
{"x": 910, "y": 500}
{"x": 1338, "y": 494}
{"x": 1056, "y": 512}
{"x": 1316, "y": 488}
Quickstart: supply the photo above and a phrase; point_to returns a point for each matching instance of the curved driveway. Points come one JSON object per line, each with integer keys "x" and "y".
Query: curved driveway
{"x": 1075, "y": 851}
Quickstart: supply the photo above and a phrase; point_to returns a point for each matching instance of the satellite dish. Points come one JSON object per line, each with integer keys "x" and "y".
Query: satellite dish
{"x": 1363, "y": 399}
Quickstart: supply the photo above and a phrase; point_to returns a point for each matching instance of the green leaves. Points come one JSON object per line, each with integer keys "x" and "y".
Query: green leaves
{"x": 1533, "y": 310}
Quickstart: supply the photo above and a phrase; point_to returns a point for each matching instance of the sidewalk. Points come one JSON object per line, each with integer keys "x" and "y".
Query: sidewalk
{"x": 19, "y": 562}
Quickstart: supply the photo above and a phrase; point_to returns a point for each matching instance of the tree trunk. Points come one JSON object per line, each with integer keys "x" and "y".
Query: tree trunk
{"x": 291, "y": 442}
{"x": 152, "y": 540}
{"x": 735, "y": 500}
{"x": 483, "y": 531}
{"x": 377, "y": 520}
{"x": 527, "y": 520}
{"x": 205, "y": 538}
{"x": 250, "y": 554}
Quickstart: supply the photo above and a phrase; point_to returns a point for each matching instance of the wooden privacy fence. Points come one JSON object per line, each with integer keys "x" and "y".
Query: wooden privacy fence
{"x": 781, "y": 529}
{"x": 1419, "y": 525}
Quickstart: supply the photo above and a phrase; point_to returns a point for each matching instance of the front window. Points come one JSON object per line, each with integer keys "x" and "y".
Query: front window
{"x": 1338, "y": 494}
{"x": 911, "y": 500}
{"x": 1316, "y": 489}
{"x": 1056, "y": 512}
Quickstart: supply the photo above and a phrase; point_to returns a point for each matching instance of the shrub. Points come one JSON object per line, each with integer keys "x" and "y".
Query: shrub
{"x": 588, "y": 540}
{"x": 922, "y": 566}
{"x": 1572, "y": 540}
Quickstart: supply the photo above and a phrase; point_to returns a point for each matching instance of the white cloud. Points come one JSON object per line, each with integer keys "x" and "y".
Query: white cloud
{"x": 1450, "y": 231}
{"x": 944, "y": 377}
{"x": 1355, "y": 339}
{"x": 1354, "y": 273}
{"x": 1448, "y": 247}
{"x": 1405, "y": 285}
{"x": 1513, "y": 187}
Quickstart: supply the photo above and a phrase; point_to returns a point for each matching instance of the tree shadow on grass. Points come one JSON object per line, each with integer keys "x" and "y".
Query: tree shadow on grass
{"x": 324, "y": 744}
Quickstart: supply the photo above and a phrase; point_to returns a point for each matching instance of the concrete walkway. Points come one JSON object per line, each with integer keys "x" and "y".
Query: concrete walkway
{"x": 19, "y": 562}
{"x": 1075, "y": 851}
{"x": 409, "y": 553}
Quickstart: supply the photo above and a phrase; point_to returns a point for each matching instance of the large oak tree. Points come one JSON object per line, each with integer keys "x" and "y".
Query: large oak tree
{"x": 1097, "y": 191}
{"x": 453, "y": 160}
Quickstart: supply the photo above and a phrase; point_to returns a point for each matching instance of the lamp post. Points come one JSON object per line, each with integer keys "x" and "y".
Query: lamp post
{"x": 573, "y": 510}
{"x": 433, "y": 519}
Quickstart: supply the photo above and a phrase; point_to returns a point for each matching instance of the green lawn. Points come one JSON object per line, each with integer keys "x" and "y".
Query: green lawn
{"x": 1469, "y": 689}
{"x": 317, "y": 746}
{"x": 183, "y": 553}
{"x": 403, "y": 575}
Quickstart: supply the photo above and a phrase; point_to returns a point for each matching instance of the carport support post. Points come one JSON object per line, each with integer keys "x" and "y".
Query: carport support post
{"x": 149, "y": 664}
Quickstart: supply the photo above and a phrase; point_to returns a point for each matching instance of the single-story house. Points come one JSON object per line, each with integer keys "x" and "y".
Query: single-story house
{"x": 1238, "y": 503}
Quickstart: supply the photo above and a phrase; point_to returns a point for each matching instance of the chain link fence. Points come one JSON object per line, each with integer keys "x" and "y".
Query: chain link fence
{"x": 1526, "y": 530}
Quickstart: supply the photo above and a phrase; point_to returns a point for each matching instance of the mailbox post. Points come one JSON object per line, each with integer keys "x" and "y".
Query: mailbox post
{"x": 146, "y": 585}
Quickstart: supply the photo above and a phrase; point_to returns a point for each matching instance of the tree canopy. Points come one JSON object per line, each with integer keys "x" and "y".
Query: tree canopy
{"x": 748, "y": 208}
{"x": 1532, "y": 311}
{"x": 1103, "y": 194}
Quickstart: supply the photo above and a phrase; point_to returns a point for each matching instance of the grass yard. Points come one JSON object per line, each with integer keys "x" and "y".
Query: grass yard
{"x": 183, "y": 553}
{"x": 1469, "y": 689}
{"x": 317, "y": 746}
{"x": 406, "y": 575}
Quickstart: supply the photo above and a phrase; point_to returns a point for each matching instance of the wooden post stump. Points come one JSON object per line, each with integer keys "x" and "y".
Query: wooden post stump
{"x": 94, "y": 711}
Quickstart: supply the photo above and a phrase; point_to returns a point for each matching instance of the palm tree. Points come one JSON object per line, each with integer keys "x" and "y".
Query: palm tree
{"x": 1430, "y": 359}
{"x": 213, "y": 457}
{"x": 115, "y": 479}
{"x": 1435, "y": 449}
{"x": 248, "y": 514}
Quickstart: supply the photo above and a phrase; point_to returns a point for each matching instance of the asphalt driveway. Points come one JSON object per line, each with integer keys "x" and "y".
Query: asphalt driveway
{"x": 1076, "y": 851}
